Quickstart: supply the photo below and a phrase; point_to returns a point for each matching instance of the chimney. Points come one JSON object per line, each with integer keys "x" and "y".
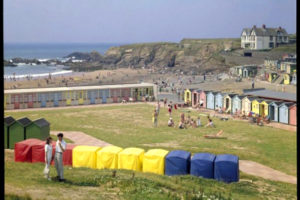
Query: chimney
{"x": 264, "y": 26}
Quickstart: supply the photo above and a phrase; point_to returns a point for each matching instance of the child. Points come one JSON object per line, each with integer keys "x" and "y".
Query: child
{"x": 170, "y": 110}
{"x": 198, "y": 121}
{"x": 181, "y": 125}
{"x": 171, "y": 122}
{"x": 154, "y": 118}
{"x": 48, "y": 157}
{"x": 210, "y": 123}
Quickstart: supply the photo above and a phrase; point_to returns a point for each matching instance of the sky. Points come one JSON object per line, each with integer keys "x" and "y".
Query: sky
{"x": 134, "y": 21}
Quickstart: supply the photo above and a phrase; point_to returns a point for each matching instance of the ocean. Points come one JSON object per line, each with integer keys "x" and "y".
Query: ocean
{"x": 45, "y": 51}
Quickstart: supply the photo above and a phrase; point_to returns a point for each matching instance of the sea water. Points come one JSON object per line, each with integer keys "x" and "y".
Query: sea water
{"x": 45, "y": 51}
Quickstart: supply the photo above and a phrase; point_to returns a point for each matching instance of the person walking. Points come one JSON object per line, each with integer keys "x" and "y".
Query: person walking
{"x": 170, "y": 110}
{"x": 48, "y": 157}
{"x": 58, "y": 159}
{"x": 252, "y": 83}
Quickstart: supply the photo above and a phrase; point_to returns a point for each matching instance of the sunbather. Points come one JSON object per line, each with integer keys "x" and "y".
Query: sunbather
{"x": 217, "y": 135}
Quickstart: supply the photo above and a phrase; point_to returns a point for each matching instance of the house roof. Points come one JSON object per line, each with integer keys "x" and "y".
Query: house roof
{"x": 9, "y": 120}
{"x": 270, "y": 94}
{"x": 24, "y": 121}
{"x": 268, "y": 31}
{"x": 41, "y": 122}
{"x": 247, "y": 30}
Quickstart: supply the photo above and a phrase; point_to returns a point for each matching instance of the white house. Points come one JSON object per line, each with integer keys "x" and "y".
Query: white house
{"x": 263, "y": 38}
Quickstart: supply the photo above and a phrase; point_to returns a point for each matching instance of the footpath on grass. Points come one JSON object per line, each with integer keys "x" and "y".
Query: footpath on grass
{"x": 246, "y": 166}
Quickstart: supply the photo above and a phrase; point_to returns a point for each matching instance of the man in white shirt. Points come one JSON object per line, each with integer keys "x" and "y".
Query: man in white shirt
{"x": 58, "y": 159}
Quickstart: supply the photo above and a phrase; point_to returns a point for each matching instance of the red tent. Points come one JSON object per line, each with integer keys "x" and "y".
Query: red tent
{"x": 67, "y": 155}
{"x": 23, "y": 150}
{"x": 38, "y": 152}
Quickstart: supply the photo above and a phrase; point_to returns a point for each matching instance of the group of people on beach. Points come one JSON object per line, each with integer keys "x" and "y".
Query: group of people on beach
{"x": 184, "y": 123}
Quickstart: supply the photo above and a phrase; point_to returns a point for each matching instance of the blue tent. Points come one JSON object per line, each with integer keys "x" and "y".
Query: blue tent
{"x": 202, "y": 164}
{"x": 177, "y": 163}
{"x": 226, "y": 168}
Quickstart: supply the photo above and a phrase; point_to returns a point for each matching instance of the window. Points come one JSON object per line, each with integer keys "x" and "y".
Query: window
{"x": 271, "y": 45}
{"x": 271, "y": 38}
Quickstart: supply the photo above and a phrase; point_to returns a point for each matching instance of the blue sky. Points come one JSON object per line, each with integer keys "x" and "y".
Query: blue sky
{"x": 132, "y": 21}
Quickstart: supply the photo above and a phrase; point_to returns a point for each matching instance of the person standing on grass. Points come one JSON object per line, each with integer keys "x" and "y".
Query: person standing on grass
{"x": 252, "y": 83}
{"x": 158, "y": 107}
{"x": 48, "y": 157}
{"x": 154, "y": 118}
{"x": 170, "y": 110}
{"x": 58, "y": 159}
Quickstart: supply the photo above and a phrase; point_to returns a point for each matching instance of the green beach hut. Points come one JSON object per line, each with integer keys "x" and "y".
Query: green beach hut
{"x": 39, "y": 129}
{"x": 8, "y": 121}
{"x": 17, "y": 131}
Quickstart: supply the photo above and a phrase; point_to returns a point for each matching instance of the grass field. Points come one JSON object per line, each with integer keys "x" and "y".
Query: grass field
{"x": 131, "y": 126}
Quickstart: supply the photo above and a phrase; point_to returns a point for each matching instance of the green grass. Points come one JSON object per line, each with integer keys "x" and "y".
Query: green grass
{"x": 83, "y": 183}
{"x": 131, "y": 126}
{"x": 289, "y": 48}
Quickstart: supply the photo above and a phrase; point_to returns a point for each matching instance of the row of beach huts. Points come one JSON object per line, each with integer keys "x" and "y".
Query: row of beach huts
{"x": 277, "y": 110}
{"x": 80, "y": 95}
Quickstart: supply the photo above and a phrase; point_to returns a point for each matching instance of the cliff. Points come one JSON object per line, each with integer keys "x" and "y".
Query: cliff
{"x": 196, "y": 55}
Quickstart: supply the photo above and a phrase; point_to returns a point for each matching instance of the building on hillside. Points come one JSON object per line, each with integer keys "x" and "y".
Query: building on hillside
{"x": 294, "y": 78}
{"x": 270, "y": 63}
{"x": 288, "y": 67}
{"x": 263, "y": 38}
{"x": 245, "y": 70}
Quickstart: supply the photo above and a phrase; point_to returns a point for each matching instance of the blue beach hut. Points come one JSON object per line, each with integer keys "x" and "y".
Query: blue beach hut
{"x": 273, "y": 110}
{"x": 284, "y": 112}
{"x": 219, "y": 100}
{"x": 237, "y": 103}
{"x": 202, "y": 164}
{"x": 226, "y": 168}
{"x": 177, "y": 163}
{"x": 210, "y": 100}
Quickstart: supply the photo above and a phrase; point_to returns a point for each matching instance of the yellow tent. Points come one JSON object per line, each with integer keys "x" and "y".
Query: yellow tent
{"x": 131, "y": 158}
{"x": 154, "y": 161}
{"x": 85, "y": 156}
{"x": 107, "y": 158}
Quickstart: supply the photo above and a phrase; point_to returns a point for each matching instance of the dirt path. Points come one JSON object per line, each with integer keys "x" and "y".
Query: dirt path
{"x": 246, "y": 166}
{"x": 256, "y": 169}
{"x": 81, "y": 138}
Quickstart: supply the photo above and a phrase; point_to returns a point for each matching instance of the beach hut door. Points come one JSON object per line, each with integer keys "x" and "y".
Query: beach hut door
{"x": 55, "y": 99}
{"x": 195, "y": 98}
{"x": 272, "y": 113}
{"x": 262, "y": 110}
{"x": 227, "y": 103}
{"x": 92, "y": 97}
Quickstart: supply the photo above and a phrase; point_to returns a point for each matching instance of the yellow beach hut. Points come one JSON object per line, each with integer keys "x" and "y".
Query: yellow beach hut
{"x": 188, "y": 96}
{"x": 264, "y": 108}
{"x": 286, "y": 79}
{"x": 255, "y": 105}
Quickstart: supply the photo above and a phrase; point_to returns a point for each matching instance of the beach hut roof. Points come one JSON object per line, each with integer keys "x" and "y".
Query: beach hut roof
{"x": 277, "y": 102}
{"x": 263, "y": 93}
{"x": 41, "y": 122}
{"x": 215, "y": 93}
{"x": 231, "y": 95}
{"x": 24, "y": 121}
{"x": 9, "y": 120}
{"x": 249, "y": 97}
{"x": 287, "y": 104}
